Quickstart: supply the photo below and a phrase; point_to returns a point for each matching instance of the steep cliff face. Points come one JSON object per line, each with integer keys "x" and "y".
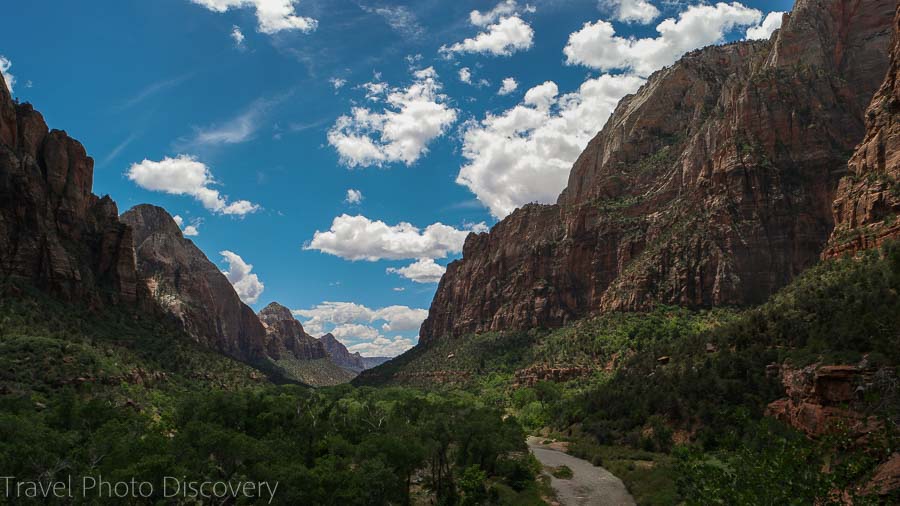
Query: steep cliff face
{"x": 191, "y": 288}
{"x": 286, "y": 335}
{"x": 340, "y": 355}
{"x": 54, "y": 232}
{"x": 712, "y": 185}
{"x": 868, "y": 199}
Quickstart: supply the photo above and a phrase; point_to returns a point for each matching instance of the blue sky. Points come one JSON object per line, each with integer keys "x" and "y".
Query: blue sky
{"x": 252, "y": 119}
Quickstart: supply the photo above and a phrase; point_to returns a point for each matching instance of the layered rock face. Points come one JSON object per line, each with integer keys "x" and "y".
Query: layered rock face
{"x": 868, "y": 199}
{"x": 191, "y": 288}
{"x": 712, "y": 185}
{"x": 340, "y": 355}
{"x": 825, "y": 398}
{"x": 286, "y": 336}
{"x": 55, "y": 233}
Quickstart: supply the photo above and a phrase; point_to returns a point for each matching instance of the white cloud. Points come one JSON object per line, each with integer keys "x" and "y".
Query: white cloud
{"x": 383, "y": 347}
{"x": 509, "y": 85}
{"x": 632, "y": 11}
{"x": 399, "y": 289}
{"x": 328, "y": 316}
{"x": 10, "y": 79}
{"x": 465, "y": 75}
{"x": 272, "y": 16}
{"x": 354, "y": 331}
{"x": 191, "y": 230}
{"x": 525, "y": 153}
{"x": 503, "y": 9}
{"x": 399, "y": 18}
{"x": 359, "y": 238}
{"x": 767, "y": 27}
{"x": 237, "y": 36}
{"x": 238, "y": 129}
{"x": 239, "y": 273}
{"x": 412, "y": 118}
{"x": 353, "y": 196}
{"x": 337, "y": 82}
{"x": 501, "y": 39}
{"x": 597, "y": 46}
{"x": 424, "y": 270}
{"x": 185, "y": 175}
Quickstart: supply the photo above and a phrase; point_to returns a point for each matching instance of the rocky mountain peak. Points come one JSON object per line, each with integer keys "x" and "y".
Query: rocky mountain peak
{"x": 712, "y": 185}
{"x": 54, "y": 232}
{"x": 286, "y": 335}
{"x": 191, "y": 288}
{"x": 340, "y": 355}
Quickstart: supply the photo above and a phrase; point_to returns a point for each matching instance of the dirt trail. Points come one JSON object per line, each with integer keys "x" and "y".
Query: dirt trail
{"x": 589, "y": 485}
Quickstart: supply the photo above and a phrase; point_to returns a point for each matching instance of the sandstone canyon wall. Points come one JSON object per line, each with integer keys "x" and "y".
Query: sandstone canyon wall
{"x": 191, "y": 288}
{"x": 286, "y": 335}
{"x": 712, "y": 185}
{"x": 55, "y": 233}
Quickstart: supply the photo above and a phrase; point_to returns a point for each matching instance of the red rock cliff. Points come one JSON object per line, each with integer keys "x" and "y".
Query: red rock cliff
{"x": 191, "y": 288}
{"x": 286, "y": 335}
{"x": 54, "y": 233}
{"x": 712, "y": 185}
{"x": 868, "y": 199}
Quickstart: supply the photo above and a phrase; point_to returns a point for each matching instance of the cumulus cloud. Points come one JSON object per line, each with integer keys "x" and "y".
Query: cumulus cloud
{"x": 353, "y": 196}
{"x": 383, "y": 347}
{"x": 465, "y": 75}
{"x": 337, "y": 83}
{"x": 412, "y": 118}
{"x": 185, "y": 175}
{"x": 191, "y": 230}
{"x": 356, "y": 320}
{"x": 597, "y": 46}
{"x": 246, "y": 284}
{"x": 359, "y": 238}
{"x": 272, "y": 16}
{"x": 507, "y": 36}
{"x": 424, "y": 270}
{"x": 525, "y": 153}
{"x": 10, "y": 79}
{"x": 631, "y": 11}
{"x": 237, "y": 36}
{"x": 508, "y": 86}
{"x": 767, "y": 27}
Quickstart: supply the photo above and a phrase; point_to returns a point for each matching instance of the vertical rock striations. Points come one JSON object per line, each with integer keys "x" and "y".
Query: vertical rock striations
{"x": 712, "y": 185}
{"x": 867, "y": 207}
{"x": 341, "y": 356}
{"x": 191, "y": 288}
{"x": 54, "y": 233}
{"x": 286, "y": 335}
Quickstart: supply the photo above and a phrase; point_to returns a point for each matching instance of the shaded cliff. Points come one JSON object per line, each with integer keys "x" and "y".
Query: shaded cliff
{"x": 712, "y": 185}
{"x": 54, "y": 233}
{"x": 340, "y": 355}
{"x": 286, "y": 335}
{"x": 191, "y": 288}
{"x": 868, "y": 199}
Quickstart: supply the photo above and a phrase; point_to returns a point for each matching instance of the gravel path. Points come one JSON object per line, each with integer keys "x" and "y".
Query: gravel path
{"x": 589, "y": 485}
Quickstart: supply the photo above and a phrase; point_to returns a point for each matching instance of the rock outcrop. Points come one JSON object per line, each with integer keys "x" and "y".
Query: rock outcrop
{"x": 55, "y": 233}
{"x": 867, "y": 207}
{"x": 286, "y": 336}
{"x": 825, "y": 398}
{"x": 191, "y": 288}
{"x": 712, "y": 185}
{"x": 341, "y": 356}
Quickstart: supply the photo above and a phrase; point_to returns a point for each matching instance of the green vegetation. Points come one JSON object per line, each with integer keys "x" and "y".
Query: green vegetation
{"x": 319, "y": 372}
{"x": 562, "y": 472}
{"x": 673, "y": 401}
{"x": 119, "y": 396}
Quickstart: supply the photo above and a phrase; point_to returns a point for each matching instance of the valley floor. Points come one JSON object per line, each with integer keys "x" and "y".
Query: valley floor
{"x": 589, "y": 485}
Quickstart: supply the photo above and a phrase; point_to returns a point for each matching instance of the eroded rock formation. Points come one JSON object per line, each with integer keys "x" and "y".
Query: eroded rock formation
{"x": 286, "y": 335}
{"x": 712, "y": 185}
{"x": 191, "y": 288}
{"x": 867, "y": 207}
{"x": 340, "y": 355}
{"x": 54, "y": 232}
